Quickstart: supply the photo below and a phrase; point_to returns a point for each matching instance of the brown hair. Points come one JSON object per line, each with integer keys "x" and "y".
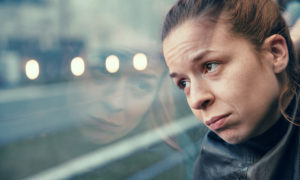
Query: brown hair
{"x": 254, "y": 20}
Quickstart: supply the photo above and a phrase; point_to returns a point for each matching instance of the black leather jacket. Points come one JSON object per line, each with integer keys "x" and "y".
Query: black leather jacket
{"x": 273, "y": 155}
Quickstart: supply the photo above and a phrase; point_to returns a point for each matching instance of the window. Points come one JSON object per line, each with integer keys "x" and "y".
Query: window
{"x": 85, "y": 94}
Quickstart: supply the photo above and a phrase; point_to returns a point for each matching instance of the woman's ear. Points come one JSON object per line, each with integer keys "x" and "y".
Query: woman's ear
{"x": 276, "y": 45}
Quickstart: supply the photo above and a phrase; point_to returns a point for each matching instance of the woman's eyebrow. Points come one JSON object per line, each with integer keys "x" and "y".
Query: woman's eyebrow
{"x": 194, "y": 57}
{"x": 198, "y": 55}
{"x": 146, "y": 76}
{"x": 173, "y": 75}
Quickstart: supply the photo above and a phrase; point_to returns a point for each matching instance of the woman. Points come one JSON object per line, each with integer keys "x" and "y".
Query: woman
{"x": 122, "y": 99}
{"x": 236, "y": 64}
{"x": 125, "y": 104}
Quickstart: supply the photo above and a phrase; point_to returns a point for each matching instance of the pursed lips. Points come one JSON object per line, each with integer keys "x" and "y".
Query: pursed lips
{"x": 103, "y": 122}
{"x": 216, "y": 118}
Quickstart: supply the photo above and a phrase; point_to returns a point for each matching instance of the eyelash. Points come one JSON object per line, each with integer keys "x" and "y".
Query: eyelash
{"x": 179, "y": 84}
{"x": 204, "y": 70}
{"x": 205, "y": 66}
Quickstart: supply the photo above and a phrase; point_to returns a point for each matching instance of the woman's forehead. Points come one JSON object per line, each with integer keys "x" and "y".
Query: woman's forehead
{"x": 196, "y": 35}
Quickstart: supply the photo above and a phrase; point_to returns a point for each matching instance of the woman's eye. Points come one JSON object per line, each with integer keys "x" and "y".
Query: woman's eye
{"x": 182, "y": 84}
{"x": 141, "y": 88}
{"x": 210, "y": 66}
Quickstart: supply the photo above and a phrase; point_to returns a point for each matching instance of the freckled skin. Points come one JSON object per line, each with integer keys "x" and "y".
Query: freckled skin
{"x": 242, "y": 83}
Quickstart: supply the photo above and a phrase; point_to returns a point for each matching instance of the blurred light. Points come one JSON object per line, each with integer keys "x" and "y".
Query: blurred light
{"x": 112, "y": 64}
{"x": 32, "y": 69}
{"x": 77, "y": 66}
{"x": 140, "y": 61}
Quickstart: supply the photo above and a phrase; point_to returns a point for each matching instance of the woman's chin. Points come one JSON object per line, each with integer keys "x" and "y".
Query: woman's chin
{"x": 232, "y": 138}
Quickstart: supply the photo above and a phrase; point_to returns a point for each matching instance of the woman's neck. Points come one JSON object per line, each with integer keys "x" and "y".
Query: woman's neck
{"x": 266, "y": 141}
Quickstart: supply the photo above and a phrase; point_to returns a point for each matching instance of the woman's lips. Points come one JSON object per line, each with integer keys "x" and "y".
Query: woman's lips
{"x": 104, "y": 122}
{"x": 104, "y": 125}
{"x": 217, "y": 122}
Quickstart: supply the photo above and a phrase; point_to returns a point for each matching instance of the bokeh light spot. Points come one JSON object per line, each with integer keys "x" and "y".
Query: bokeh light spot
{"x": 77, "y": 66}
{"x": 112, "y": 64}
{"x": 140, "y": 61}
{"x": 32, "y": 69}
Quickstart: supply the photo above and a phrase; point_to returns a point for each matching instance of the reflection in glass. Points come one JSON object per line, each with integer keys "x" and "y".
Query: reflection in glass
{"x": 120, "y": 101}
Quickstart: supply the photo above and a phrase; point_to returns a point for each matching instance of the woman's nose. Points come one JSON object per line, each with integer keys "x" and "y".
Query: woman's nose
{"x": 115, "y": 102}
{"x": 200, "y": 96}
{"x": 115, "y": 99}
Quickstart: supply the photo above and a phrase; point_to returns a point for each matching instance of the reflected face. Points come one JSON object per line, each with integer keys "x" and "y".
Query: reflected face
{"x": 123, "y": 98}
{"x": 228, "y": 86}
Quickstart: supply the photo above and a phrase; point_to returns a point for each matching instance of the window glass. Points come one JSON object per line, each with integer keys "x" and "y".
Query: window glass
{"x": 85, "y": 93}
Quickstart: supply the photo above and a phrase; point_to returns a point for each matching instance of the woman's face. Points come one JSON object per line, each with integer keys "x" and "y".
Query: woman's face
{"x": 121, "y": 101}
{"x": 228, "y": 86}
